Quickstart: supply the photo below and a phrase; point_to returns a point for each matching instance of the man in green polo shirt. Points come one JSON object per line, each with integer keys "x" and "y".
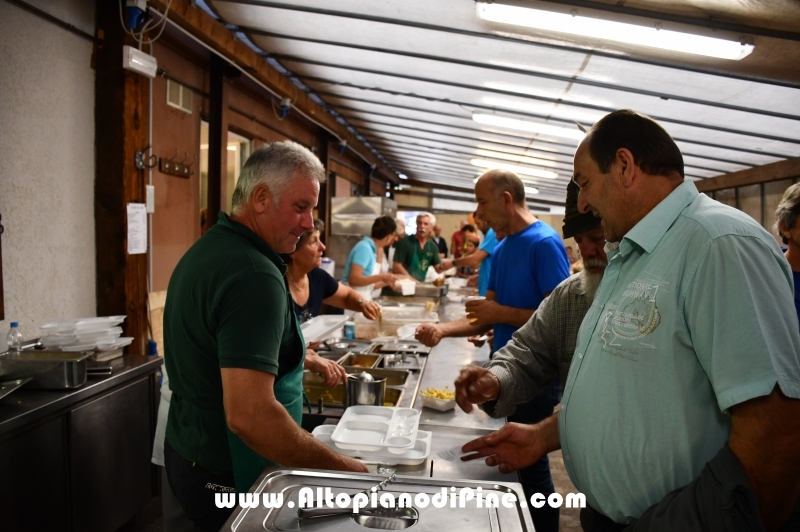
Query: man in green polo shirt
{"x": 682, "y": 406}
{"x": 233, "y": 348}
{"x": 415, "y": 253}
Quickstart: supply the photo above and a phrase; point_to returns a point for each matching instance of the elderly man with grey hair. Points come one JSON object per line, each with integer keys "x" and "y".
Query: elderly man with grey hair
{"x": 233, "y": 348}
{"x": 787, "y": 226}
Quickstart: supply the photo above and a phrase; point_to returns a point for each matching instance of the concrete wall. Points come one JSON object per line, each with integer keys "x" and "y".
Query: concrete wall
{"x": 47, "y": 166}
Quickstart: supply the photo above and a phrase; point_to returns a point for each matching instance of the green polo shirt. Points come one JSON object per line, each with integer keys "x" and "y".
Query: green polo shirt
{"x": 416, "y": 259}
{"x": 227, "y": 307}
{"x": 694, "y": 315}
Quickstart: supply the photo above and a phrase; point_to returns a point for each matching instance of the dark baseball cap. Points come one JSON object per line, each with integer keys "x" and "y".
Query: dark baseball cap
{"x": 574, "y": 221}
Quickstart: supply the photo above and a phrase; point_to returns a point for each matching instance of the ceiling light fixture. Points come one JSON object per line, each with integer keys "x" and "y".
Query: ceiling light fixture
{"x": 531, "y": 190}
{"x": 651, "y": 36}
{"x": 524, "y": 125}
{"x": 524, "y": 170}
{"x": 525, "y": 159}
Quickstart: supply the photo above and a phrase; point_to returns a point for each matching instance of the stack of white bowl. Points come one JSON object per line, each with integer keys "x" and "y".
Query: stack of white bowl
{"x": 85, "y": 334}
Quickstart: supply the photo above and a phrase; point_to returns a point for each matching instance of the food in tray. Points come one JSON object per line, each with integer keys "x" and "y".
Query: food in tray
{"x": 435, "y": 393}
{"x": 439, "y": 281}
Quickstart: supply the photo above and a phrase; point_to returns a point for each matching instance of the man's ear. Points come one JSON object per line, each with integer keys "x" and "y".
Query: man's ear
{"x": 262, "y": 198}
{"x": 626, "y": 167}
{"x": 508, "y": 200}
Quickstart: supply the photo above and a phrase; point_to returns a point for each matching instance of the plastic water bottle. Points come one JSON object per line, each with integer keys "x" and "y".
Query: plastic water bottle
{"x": 14, "y": 338}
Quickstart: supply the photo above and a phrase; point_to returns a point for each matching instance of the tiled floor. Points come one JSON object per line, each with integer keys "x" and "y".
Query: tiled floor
{"x": 570, "y": 517}
{"x": 149, "y": 519}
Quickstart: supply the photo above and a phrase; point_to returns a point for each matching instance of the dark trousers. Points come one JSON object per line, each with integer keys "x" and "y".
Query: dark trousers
{"x": 194, "y": 487}
{"x": 536, "y": 478}
{"x": 594, "y": 521}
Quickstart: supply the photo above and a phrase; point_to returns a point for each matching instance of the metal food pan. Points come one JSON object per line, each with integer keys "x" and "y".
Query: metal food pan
{"x": 406, "y": 361}
{"x": 335, "y": 396}
{"x": 360, "y": 361}
{"x": 394, "y": 377}
{"x": 352, "y": 345}
{"x": 48, "y": 370}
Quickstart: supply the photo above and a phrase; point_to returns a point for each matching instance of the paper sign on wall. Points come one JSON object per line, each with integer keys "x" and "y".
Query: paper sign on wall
{"x": 137, "y": 228}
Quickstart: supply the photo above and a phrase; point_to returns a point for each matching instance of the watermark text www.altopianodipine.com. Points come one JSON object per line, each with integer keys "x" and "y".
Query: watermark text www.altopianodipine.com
{"x": 325, "y": 498}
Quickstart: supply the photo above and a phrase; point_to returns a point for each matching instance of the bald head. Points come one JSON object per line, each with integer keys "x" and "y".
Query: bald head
{"x": 502, "y": 181}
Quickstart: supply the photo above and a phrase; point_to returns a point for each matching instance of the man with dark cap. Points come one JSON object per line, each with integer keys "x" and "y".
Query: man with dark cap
{"x": 541, "y": 350}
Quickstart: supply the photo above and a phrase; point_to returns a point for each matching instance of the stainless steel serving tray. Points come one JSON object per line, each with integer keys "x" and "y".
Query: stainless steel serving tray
{"x": 401, "y": 346}
{"x": 288, "y": 482}
{"x": 354, "y": 346}
{"x": 394, "y": 377}
{"x": 48, "y": 370}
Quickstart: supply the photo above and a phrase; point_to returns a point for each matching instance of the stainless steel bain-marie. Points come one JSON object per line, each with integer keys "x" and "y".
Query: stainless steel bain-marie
{"x": 49, "y": 370}
{"x": 289, "y": 482}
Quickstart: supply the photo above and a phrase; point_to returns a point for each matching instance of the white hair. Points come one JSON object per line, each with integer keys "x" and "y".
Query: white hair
{"x": 276, "y": 165}
{"x": 429, "y": 215}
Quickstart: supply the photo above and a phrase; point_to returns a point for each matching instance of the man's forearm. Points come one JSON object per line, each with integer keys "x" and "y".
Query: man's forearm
{"x": 398, "y": 268}
{"x": 273, "y": 434}
{"x": 765, "y": 432}
{"x": 462, "y": 327}
{"x": 513, "y": 316}
{"x": 548, "y": 434}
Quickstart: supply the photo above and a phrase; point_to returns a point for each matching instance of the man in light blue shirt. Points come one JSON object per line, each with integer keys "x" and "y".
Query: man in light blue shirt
{"x": 682, "y": 405}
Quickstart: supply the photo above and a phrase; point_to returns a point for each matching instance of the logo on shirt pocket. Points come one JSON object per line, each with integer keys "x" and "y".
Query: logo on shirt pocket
{"x": 636, "y": 316}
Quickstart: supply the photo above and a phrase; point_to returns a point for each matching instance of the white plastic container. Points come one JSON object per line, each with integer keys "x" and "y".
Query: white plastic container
{"x": 407, "y": 287}
{"x": 329, "y": 265}
{"x": 393, "y": 318}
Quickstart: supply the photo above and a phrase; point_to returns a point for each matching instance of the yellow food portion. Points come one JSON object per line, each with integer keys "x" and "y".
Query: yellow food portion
{"x": 436, "y": 393}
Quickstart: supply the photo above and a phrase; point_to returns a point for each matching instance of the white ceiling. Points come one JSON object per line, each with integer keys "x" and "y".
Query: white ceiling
{"x": 409, "y": 75}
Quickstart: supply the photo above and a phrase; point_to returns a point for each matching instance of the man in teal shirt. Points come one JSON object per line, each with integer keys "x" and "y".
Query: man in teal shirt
{"x": 233, "y": 348}
{"x": 682, "y": 405}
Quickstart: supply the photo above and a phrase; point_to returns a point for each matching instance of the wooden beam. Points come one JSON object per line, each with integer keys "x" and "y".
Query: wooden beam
{"x": 786, "y": 169}
{"x": 217, "y": 141}
{"x": 211, "y": 33}
{"x": 2, "y": 306}
{"x": 121, "y": 116}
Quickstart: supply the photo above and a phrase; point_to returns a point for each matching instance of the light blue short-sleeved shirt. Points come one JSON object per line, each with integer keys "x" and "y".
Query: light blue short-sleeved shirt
{"x": 363, "y": 254}
{"x": 694, "y": 315}
{"x": 488, "y": 245}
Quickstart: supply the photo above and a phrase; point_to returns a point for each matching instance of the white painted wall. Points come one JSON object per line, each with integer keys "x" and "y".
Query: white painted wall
{"x": 47, "y": 165}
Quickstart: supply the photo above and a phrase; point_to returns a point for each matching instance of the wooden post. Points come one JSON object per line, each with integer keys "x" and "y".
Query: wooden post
{"x": 2, "y": 306}
{"x": 217, "y": 139}
{"x": 120, "y": 131}
{"x": 326, "y": 189}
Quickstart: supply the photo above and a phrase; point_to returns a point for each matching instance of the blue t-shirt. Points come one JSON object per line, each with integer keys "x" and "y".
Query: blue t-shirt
{"x": 363, "y": 254}
{"x": 488, "y": 245}
{"x": 796, "y": 276}
{"x": 526, "y": 266}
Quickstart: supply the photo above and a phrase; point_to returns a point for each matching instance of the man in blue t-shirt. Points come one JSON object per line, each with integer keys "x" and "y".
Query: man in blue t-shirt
{"x": 526, "y": 266}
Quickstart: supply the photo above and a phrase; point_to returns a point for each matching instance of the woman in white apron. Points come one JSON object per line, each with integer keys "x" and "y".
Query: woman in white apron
{"x": 363, "y": 270}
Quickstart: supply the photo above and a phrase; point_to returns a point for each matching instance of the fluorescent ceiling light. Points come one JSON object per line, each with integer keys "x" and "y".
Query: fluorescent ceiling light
{"x": 524, "y": 170}
{"x": 526, "y": 159}
{"x": 558, "y": 210}
{"x": 653, "y": 37}
{"x": 531, "y": 190}
{"x": 402, "y": 176}
{"x": 524, "y": 125}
